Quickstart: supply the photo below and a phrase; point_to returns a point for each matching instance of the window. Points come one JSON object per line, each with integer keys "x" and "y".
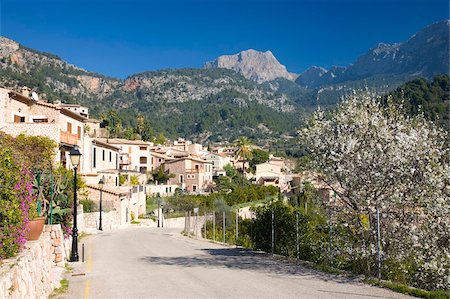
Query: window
{"x": 194, "y": 188}
{"x": 79, "y": 132}
{"x": 191, "y": 176}
{"x": 103, "y": 155}
{"x": 143, "y": 148}
{"x": 143, "y": 160}
{"x": 94, "y": 158}
{"x": 40, "y": 120}
{"x": 196, "y": 167}
{"x": 143, "y": 169}
{"x": 110, "y": 156}
{"x": 69, "y": 127}
{"x": 117, "y": 161}
{"x": 159, "y": 160}
{"x": 181, "y": 178}
{"x": 19, "y": 119}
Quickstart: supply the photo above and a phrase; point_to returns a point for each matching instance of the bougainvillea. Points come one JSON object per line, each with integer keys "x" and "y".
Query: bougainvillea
{"x": 16, "y": 202}
{"x": 375, "y": 157}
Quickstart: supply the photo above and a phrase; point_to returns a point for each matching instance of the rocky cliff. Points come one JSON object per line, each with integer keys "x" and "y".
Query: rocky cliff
{"x": 20, "y": 66}
{"x": 254, "y": 65}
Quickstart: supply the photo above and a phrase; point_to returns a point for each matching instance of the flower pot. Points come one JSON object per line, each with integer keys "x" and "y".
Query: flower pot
{"x": 35, "y": 228}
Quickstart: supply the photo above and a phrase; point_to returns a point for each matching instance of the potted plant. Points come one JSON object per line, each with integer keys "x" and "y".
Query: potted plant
{"x": 36, "y": 215}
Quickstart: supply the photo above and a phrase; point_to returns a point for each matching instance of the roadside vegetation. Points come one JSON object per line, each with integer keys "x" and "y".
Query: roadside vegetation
{"x": 373, "y": 157}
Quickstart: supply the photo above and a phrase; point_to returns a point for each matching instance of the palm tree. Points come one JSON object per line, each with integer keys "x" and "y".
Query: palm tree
{"x": 244, "y": 150}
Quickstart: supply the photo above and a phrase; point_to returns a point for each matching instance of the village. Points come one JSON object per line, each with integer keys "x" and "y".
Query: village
{"x": 125, "y": 166}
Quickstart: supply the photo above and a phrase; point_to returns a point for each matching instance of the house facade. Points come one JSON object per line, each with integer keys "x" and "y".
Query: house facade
{"x": 135, "y": 155}
{"x": 191, "y": 174}
{"x": 20, "y": 113}
{"x": 218, "y": 162}
{"x": 270, "y": 174}
{"x": 102, "y": 162}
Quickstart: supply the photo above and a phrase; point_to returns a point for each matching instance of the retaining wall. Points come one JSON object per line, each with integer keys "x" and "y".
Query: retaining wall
{"x": 36, "y": 271}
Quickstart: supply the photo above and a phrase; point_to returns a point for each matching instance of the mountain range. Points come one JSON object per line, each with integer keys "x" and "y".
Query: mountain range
{"x": 250, "y": 93}
{"x": 425, "y": 54}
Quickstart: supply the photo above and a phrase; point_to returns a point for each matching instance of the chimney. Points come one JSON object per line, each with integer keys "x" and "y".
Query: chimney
{"x": 26, "y": 91}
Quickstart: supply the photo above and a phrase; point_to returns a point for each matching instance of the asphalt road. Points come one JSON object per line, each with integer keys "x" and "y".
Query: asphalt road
{"x": 161, "y": 263}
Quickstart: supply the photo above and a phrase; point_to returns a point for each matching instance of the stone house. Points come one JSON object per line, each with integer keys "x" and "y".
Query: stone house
{"x": 159, "y": 159}
{"x": 191, "y": 174}
{"x": 25, "y": 113}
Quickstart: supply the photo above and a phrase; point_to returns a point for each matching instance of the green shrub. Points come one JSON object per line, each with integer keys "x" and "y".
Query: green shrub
{"x": 88, "y": 205}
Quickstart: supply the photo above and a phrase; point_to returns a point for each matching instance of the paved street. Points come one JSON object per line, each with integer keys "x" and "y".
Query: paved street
{"x": 161, "y": 263}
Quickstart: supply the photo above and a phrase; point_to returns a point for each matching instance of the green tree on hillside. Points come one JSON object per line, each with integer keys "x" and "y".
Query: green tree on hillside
{"x": 244, "y": 150}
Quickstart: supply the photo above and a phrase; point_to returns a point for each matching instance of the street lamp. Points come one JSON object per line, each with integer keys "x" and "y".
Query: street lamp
{"x": 101, "y": 183}
{"x": 75, "y": 159}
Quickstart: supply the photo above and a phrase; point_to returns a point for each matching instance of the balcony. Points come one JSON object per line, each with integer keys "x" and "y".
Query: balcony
{"x": 125, "y": 159}
{"x": 67, "y": 137}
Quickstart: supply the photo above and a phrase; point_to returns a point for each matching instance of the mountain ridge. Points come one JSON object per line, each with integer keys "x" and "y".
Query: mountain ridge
{"x": 424, "y": 54}
{"x": 217, "y": 103}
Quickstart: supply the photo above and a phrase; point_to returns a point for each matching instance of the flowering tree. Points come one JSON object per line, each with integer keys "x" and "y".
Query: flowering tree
{"x": 375, "y": 157}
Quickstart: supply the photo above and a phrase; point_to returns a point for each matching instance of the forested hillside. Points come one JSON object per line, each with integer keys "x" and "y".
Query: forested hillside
{"x": 432, "y": 98}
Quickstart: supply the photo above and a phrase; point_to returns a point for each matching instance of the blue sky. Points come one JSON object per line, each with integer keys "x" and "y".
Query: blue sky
{"x": 120, "y": 38}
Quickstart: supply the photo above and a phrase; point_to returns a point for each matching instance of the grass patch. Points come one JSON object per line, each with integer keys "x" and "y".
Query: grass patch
{"x": 61, "y": 290}
{"x": 404, "y": 289}
{"x": 135, "y": 222}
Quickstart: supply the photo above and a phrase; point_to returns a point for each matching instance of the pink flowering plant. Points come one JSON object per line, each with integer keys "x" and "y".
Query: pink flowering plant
{"x": 17, "y": 204}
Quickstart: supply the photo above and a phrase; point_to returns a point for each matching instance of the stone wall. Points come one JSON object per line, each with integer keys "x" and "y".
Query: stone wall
{"x": 33, "y": 273}
{"x": 110, "y": 220}
{"x": 50, "y": 130}
{"x": 60, "y": 246}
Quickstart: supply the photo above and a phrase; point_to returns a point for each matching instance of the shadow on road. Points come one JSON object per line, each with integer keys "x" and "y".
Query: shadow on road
{"x": 233, "y": 258}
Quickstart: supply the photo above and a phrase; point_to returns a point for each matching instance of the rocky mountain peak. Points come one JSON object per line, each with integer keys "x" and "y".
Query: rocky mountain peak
{"x": 254, "y": 65}
{"x": 311, "y": 76}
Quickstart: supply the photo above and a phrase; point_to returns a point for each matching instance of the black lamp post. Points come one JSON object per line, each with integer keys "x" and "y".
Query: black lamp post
{"x": 75, "y": 159}
{"x": 101, "y": 183}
